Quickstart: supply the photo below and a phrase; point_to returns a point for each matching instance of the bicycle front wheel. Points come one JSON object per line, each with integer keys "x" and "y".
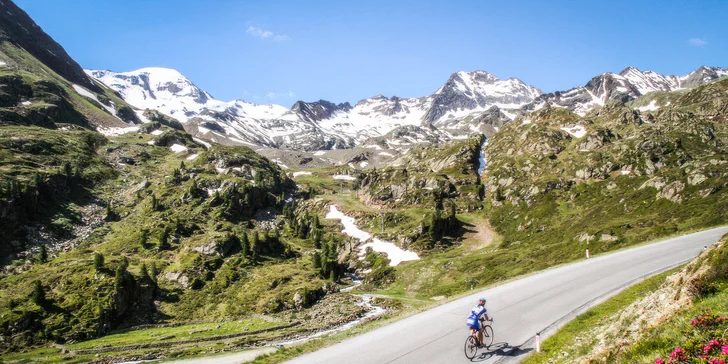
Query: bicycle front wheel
{"x": 471, "y": 347}
{"x": 487, "y": 336}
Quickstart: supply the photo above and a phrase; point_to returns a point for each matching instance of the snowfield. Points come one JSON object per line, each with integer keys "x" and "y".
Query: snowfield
{"x": 395, "y": 254}
{"x": 344, "y": 177}
{"x": 117, "y": 131}
{"x": 577, "y": 131}
{"x": 178, "y": 148}
{"x": 301, "y": 173}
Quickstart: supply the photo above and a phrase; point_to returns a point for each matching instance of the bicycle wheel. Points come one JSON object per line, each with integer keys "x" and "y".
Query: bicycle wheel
{"x": 471, "y": 347}
{"x": 487, "y": 336}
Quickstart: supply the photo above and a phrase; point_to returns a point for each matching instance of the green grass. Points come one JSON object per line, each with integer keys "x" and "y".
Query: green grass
{"x": 574, "y": 337}
{"x": 178, "y": 333}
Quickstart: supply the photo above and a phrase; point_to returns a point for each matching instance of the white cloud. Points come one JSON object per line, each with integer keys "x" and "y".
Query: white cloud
{"x": 274, "y": 95}
{"x": 266, "y": 34}
{"x": 697, "y": 42}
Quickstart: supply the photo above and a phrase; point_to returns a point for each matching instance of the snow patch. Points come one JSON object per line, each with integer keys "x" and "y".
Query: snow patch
{"x": 625, "y": 172}
{"x": 651, "y": 107}
{"x": 206, "y": 144}
{"x": 157, "y": 132}
{"x": 84, "y": 92}
{"x": 117, "y": 131}
{"x": 363, "y": 164}
{"x": 577, "y": 131}
{"x": 178, "y": 148}
{"x": 301, "y": 173}
{"x": 26, "y": 103}
{"x": 320, "y": 152}
{"x": 526, "y": 121}
{"x": 395, "y": 254}
{"x": 344, "y": 177}
{"x": 192, "y": 157}
{"x": 386, "y": 154}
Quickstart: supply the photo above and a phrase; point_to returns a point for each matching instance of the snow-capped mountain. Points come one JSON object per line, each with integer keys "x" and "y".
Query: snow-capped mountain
{"x": 468, "y": 92}
{"x": 320, "y": 124}
{"x": 468, "y": 103}
{"x": 626, "y": 85}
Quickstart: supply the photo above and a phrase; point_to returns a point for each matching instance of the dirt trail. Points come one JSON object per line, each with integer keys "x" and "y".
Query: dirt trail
{"x": 479, "y": 235}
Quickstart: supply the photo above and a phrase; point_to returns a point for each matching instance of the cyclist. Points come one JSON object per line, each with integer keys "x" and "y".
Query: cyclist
{"x": 474, "y": 319}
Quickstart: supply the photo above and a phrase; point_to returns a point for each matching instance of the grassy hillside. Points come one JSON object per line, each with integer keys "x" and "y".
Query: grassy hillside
{"x": 632, "y": 177}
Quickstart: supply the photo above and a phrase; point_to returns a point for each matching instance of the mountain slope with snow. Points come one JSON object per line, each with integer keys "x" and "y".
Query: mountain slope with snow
{"x": 468, "y": 103}
{"x": 627, "y": 85}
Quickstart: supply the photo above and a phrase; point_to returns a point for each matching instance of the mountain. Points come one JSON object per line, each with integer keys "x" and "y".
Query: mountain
{"x": 18, "y": 28}
{"x": 627, "y": 85}
{"x": 468, "y": 102}
{"x": 321, "y": 124}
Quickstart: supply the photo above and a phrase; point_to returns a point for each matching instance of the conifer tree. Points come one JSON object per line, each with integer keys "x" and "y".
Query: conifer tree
{"x": 98, "y": 261}
{"x": 43, "y": 254}
{"x": 245, "y": 245}
{"x": 38, "y": 296}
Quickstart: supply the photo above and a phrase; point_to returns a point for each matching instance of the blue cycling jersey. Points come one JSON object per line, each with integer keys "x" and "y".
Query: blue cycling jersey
{"x": 475, "y": 314}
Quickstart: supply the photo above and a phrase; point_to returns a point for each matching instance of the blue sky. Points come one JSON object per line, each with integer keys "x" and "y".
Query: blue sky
{"x": 283, "y": 51}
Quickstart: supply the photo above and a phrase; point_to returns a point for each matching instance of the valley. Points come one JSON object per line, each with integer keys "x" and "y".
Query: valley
{"x": 143, "y": 219}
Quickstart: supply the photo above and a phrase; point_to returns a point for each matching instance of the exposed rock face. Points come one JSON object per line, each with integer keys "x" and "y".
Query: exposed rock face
{"x": 479, "y": 89}
{"x": 17, "y": 27}
{"x": 624, "y": 86}
{"x": 319, "y": 110}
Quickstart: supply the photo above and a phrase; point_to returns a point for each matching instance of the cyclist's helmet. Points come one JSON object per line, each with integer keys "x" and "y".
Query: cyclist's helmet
{"x": 482, "y": 299}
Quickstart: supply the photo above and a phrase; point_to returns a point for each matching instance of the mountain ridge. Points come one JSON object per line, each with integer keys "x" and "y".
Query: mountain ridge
{"x": 462, "y": 105}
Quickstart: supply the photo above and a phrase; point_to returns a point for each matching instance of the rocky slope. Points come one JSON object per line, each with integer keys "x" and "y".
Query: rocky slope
{"x": 627, "y": 85}
{"x": 613, "y": 176}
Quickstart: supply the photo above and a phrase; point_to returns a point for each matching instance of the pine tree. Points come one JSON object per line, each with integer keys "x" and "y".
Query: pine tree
{"x": 143, "y": 271}
{"x": 98, "y": 261}
{"x": 120, "y": 277}
{"x": 255, "y": 242}
{"x": 143, "y": 239}
{"x": 67, "y": 169}
{"x": 153, "y": 272}
{"x": 38, "y": 296}
{"x": 316, "y": 257}
{"x": 155, "y": 202}
{"x": 245, "y": 245}
{"x": 43, "y": 254}
{"x": 182, "y": 165}
{"x": 164, "y": 238}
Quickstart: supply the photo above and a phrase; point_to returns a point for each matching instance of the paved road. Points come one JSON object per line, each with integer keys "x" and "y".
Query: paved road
{"x": 541, "y": 302}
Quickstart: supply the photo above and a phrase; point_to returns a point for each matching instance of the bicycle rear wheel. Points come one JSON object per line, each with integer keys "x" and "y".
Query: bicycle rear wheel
{"x": 471, "y": 347}
{"x": 487, "y": 336}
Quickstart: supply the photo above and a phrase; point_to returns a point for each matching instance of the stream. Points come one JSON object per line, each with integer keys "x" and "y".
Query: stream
{"x": 366, "y": 301}
{"x": 482, "y": 164}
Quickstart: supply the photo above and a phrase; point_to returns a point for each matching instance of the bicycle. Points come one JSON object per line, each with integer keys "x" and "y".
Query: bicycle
{"x": 471, "y": 342}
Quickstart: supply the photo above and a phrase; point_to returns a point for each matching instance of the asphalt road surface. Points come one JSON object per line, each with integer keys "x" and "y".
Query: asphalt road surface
{"x": 538, "y": 303}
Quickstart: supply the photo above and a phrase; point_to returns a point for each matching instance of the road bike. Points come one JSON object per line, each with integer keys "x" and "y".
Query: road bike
{"x": 471, "y": 342}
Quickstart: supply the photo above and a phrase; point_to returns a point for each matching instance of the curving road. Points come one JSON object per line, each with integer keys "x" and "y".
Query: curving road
{"x": 538, "y": 303}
